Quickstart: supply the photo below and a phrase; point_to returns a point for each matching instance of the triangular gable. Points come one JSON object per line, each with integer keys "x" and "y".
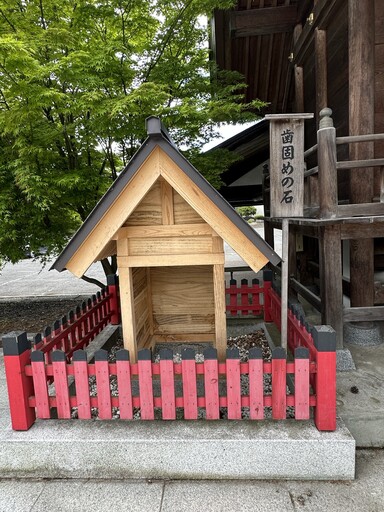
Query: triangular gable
{"x": 159, "y": 157}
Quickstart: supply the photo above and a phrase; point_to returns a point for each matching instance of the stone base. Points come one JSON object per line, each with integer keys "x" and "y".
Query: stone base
{"x": 290, "y": 450}
{"x": 344, "y": 360}
{"x": 364, "y": 335}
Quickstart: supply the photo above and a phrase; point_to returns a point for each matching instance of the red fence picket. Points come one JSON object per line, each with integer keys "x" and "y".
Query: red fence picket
{"x": 244, "y": 300}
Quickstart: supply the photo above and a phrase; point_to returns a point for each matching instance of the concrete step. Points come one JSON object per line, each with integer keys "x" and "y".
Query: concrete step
{"x": 287, "y": 449}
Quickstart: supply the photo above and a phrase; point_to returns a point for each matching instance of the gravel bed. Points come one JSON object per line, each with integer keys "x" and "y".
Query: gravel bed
{"x": 243, "y": 342}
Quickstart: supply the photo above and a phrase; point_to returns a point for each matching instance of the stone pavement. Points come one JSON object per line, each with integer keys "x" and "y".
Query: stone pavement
{"x": 365, "y": 494}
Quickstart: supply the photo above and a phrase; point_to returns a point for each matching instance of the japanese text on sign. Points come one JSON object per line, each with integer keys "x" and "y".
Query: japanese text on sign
{"x": 288, "y": 155}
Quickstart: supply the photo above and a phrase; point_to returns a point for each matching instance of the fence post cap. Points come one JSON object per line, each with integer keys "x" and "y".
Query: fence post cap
{"x": 144, "y": 355}
{"x": 122, "y": 355}
{"x": 267, "y": 275}
{"x": 188, "y": 354}
{"x": 166, "y": 354}
{"x": 210, "y": 353}
{"x": 324, "y": 338}
{"x": 15, "y": 343}
{"x": 301, "y": 353}
{"x": 233, "y": 353}
{"x": 279, "y": 353}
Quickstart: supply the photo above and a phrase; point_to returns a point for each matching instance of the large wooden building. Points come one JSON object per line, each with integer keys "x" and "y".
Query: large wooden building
{"x": 306, "y": 56}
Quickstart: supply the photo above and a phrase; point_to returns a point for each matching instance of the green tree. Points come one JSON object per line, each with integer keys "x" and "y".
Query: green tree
{"x": 77, "y": 80}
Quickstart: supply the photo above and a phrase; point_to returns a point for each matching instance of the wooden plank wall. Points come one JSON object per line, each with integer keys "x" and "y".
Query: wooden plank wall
{"x": 182, "y": 300}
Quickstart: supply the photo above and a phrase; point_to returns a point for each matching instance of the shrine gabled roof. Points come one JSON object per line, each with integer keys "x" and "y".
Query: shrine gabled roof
{"x": 158, "y": 137}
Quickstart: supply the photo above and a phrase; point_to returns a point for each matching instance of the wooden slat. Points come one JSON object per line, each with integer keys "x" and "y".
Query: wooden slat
{"x": 60, "y": 376}
{"x": 167, "y": 203}
{"x": 211, "y": 384}
{"x": 353, "y": 210}
{"x": 123, "y": 373}
{"x": 233, "y": 385}
{"x": 188, "y": 366}
{"x": 170, "y": 246}
{"x": 80, "y": 369}
{"x": 256, "y": 384}
{"x": 170, "y": 260}
{"x": 167, "y": 383}
{"x": 174, "y": 230}
{"x": 40, "y": 385}
{"x": 301, "y": 383}
{"x": 279, "y": 384}
{"x": 145, "y": 385}
{"x": 104, "y": 403}
{"x": 360, "y": 138}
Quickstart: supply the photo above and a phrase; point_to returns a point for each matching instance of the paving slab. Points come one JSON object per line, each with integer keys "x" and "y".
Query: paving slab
{"x": 220, "y": 496}
{"x": 16, "y": 496}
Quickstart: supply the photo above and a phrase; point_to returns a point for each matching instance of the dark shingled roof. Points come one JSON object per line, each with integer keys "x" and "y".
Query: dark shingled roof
{"x": 158, "y": 136}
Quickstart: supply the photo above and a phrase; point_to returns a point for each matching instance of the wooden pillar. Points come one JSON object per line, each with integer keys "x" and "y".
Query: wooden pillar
{"x": 331, "y": 280}
{"x": 327, "y": 176}
{"x": 299, "y": 75}
{"x": 220, "y": 318}
{"x": 361, "y": 121}
{"x": 321, "y": 70}
{"x": 128, "y": 321}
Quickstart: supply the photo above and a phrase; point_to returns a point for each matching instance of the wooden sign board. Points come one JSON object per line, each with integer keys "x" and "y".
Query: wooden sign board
{"x": 287, "y": 164}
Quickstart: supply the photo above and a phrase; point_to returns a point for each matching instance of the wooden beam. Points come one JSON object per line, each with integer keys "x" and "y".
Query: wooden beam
{"x": 128, "y": 321}
{"x": 170, "y": 260}
{"x": 172, "y": 230}
{"x": 220, "y": 311}
{"x": 364, "y": 314}
{"x": 259, "y": 22}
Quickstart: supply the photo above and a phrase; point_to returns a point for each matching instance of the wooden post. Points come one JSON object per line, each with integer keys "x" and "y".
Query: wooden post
{"x": 113, "y": 286}
{"x": 17, "y": 355}
{"x": 321, "y": 69}
{"x": 284, "y": 283}
{"x": 330, "y": 279}
{"x": 361, "y": 121}
{"x": 128, "y": 319}
{"x": 220, "y": 308}
{"x": 325, "y": 380}
{"x": 326, "y": 139}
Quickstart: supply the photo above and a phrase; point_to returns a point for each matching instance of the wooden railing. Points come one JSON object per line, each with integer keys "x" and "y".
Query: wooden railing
{"x": 321, "y": 189}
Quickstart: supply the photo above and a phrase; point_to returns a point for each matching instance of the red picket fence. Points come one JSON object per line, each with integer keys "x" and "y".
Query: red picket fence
{"x": 32, "y": 384}
{"x": 77, "y": 329}
{"x": 244, "y": 300}
{"x": 321, "y": 344}
{"x": 58, "y": 359}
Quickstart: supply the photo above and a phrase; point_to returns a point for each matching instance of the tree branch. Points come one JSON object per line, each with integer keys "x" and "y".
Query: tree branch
{"x": 93, "y": 281}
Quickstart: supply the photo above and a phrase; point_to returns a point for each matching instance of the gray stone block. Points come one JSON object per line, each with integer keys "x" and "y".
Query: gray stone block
{"x": 365, "y": 335}
{"x": 344, "y": 360}
{"x": 178, "y": 450}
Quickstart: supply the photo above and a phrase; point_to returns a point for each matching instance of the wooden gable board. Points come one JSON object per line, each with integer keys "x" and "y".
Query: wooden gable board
{"x": 158, "y": 156}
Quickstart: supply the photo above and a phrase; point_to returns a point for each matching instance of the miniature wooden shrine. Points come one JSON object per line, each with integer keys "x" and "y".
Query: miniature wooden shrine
{"x": 167, "y": 225}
